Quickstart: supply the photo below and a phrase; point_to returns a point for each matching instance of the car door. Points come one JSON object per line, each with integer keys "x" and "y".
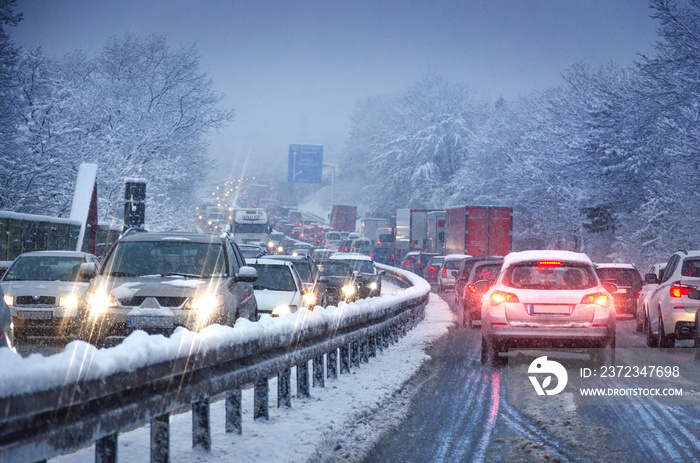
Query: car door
{"x": 656, "y": 299}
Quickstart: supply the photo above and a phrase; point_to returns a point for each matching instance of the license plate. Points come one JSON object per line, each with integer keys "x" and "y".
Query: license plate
{"x": 550, "y": 309}
{"x": 621, "y": 290}
{"x": 35, "y": 314}
{"x": 149, "y": 321}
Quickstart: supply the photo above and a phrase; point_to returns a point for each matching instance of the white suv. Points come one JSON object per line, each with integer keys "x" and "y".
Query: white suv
{"x": 670, "y": 313}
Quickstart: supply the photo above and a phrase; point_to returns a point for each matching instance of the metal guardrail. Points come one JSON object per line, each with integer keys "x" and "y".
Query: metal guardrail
{"x": 40, "y": 425}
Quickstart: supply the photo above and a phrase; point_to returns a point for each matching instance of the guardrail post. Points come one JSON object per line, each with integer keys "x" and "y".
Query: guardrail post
{"x": 260, "y": 393}
{"x": 344, "y": 359}
{"x": 332, "y": 364}
{"x": 160, "y": 439}
{"x": 364, "y": 350}
{"x": 106, "y": 449}
{"x": 355, "y": 354}
{"x": 303, "y": 380}
{"x": 388, "y": 338}
{"x": 234, "y": 422}
{"x": 318, "y": 372}
{"x": 372, "y": 345}
{"x": 201, "y": 430}
{"x": 379, "y": 341}
{"x": 284, "y": 394}
{"x": 394, "y": 334}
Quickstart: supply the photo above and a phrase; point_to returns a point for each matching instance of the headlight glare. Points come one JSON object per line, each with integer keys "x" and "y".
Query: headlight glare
{"x": 309, "y": 299}
{"x": 99, "y": 302}
{"x": 206, "y": 302}
{"x": 372, "y": 285}
{"x": 9, "y": 300}
{"x": 283, "y": 309}
{"x": 69, "y": 302}
{"x": 348, "y": 290}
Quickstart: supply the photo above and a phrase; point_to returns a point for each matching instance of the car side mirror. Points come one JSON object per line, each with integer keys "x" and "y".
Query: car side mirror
{"x": 247, "y": 274}
{"x": 610, "y": 287}
{"x": 323, "y": 279}
{"x": 482, "y": 286}
{"x": 381, "y": 272}
{"x": 694, "y": 294}
{"x": 454, "y": 273}
{"x": 88, "y": 270}
{"x": 651, "y": 279}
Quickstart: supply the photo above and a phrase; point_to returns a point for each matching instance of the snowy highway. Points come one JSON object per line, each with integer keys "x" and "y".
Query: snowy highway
{"x": 428, "y": 398}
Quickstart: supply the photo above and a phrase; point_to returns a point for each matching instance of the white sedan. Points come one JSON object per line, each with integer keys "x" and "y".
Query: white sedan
{"x": 546, "y": 299}
{"x": 279, "y": 289}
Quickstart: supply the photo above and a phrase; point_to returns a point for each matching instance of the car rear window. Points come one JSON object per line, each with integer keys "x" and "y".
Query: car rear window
{"x": 486, "y": 272}
{"x": 691, "y": 268}
{"x": 451, "y": 265}
{"x": 623, "y": 277}
{"x": 556, "y": 276}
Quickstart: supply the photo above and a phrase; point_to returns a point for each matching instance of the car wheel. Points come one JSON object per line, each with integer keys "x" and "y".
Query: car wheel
{"x": 466, "y": 320}
{"x": 666, "y": 341}
{"x": 640, "y": 324}
{"x": 489, "y": 352}
{"x": 651, "y": 339}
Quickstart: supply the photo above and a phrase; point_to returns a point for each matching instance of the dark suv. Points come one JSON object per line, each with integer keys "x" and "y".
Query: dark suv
{"x": 485, "y": 269}
{"x": 158, "y": 281}
{"x": 628, "y": 281}
{"x": 462, "y": 275}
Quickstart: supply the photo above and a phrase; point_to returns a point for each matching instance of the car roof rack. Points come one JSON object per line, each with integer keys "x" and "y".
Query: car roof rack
{"x": 683, "y": 251}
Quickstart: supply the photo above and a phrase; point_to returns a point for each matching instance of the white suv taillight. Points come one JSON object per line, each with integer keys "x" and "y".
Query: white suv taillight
{"x": 677, "y": 289}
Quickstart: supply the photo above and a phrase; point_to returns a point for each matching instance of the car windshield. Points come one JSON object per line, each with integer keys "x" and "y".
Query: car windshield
{"x": 535, "y": 275}
{"x": 274, "y": 278}
{"x": 44, "y": 268}
{"x": 334, "y": 269}
{"x": 360, "y": 265}
{"x": 251, "y": 252}
{"x": 166, "y": 258}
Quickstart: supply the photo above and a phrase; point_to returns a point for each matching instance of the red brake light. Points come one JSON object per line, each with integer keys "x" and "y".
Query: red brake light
{"x": 392, "y": 256}
{"x": 678, "y": 290}
{"x": 408, "y": 263}
{"x": 444, "y": 270}
{"x": 549, "y": 263}
{"x": 371, "y": 256}
{"x": 471, "y": 288}
{"x": 501, "y": 297}
{"x": 431, "y": 269}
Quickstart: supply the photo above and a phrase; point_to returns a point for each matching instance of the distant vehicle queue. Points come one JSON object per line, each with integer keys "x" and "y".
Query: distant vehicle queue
{"x": 282, "y": 261}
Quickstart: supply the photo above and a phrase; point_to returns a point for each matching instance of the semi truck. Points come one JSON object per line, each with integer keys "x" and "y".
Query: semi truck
{"x": 250, "y": 225}
{"x": 369, "y": 226}
{"x": 343, "y": 217}
{"x": 478, "y": 231}
{"x": 412, "y": 229}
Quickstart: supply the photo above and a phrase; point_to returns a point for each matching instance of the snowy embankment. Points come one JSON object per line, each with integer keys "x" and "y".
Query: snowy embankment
{"x": 312, "y": 429}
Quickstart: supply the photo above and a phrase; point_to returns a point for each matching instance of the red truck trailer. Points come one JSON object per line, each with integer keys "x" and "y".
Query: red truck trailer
{"x": 343, "y": 217}
{"x": 478, "y": 231}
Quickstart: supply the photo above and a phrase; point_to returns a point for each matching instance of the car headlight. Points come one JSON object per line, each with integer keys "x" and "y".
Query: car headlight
{"x": 348, "y": 290}
{"x": 204, "y": 303}
{"x": 270, "y": 244}
{"x": 373, "y": 285}
{"x": 283, "y": 309}
{"x": 309, "y": 299}
{"x": 295, "y": 253}
{"x": 99, "y": 302}
{"x": 69, "y": 302}
{"x": 9, "y": 300}
{"x": 280, "y": 249}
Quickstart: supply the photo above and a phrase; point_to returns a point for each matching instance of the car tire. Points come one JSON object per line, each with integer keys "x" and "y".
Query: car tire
{"x": 466, "y": 320}
{"x": 666, "y": 341}
{"x": 651, "y": 339}
{"x": 489, "y": 352}
{"x": 640, "y": 324}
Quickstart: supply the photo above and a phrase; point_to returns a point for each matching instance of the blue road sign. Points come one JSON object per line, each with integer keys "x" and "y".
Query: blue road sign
{"x": 305, "y": 164}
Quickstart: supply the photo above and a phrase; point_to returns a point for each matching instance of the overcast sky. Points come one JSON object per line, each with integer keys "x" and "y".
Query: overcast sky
{"x": 293, "y": 70}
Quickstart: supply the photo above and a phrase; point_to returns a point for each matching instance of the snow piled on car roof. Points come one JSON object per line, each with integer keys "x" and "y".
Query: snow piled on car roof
{"x": 529, "y": 256}
{"x": 611, "y": 265}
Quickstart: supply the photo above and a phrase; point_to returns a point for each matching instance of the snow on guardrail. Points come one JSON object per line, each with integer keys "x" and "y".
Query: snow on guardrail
{"x": 81, "y": 361}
